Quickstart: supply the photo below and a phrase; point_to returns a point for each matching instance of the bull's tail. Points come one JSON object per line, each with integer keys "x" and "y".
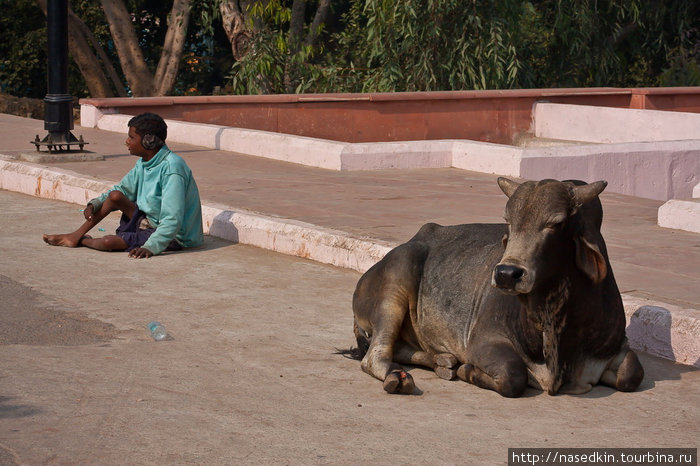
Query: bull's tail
{"x": 362, "y": 345}
{"x": 362, "y": 340}
{"x": 351, "y": 353}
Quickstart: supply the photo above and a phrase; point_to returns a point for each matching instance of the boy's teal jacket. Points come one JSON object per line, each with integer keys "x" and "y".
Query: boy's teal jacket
{"x": 164, "y": 189}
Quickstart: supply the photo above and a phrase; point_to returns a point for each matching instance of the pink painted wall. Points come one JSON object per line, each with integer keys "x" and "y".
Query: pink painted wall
{"x": 496, "y": 116}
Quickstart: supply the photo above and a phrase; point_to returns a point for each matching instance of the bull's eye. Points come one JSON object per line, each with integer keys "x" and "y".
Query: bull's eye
{"x": 555, "y": 223}
{"x": 505, "y": 240}
{"x": 554, "y": 226}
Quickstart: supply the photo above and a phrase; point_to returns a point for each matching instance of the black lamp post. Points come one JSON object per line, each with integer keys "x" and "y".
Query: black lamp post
{"x": 58, "y": 104}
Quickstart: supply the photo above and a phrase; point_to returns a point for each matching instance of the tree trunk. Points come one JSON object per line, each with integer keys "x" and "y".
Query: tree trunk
{"x": 234, "y": 18}
{"x": 171, "y": 55}
{"x": 296, "y": 30}
{"x": 318, "y": 22}
{"x": 133, "y": 63}
{"x": 95, "y": 79}
{"x": 76, "y": 23}
{"x": 296, "y": 26}
{"x": 97, "y": 83}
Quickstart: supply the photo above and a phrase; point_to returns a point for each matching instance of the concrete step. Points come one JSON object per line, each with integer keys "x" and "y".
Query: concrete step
{"x": 681, "y": 214}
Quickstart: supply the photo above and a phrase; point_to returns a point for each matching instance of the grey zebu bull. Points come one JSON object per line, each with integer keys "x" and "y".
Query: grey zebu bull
{"x": 501, "y": 306}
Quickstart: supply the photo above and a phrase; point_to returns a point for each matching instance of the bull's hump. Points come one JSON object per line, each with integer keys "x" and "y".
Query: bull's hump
{"x": 469, "y": 233}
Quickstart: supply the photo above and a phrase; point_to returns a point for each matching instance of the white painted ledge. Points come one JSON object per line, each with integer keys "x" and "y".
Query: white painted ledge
{"x": 653, "y": 170}
{"x": 670, "y": 332}
{"x": 276, "y": 234}
{"x": 46, "y": 183}
{"x": 680, "y": 214}
{"x": 484, "y": 157}
{"x": 612, "y": 125}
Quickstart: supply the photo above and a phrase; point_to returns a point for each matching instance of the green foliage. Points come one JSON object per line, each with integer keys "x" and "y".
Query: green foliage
{"x": 682, "y": 65}
{"x": 391, "y": 45}
{"x": 583, "y": 43}
{"x": 23, "y": 46}
{"x": 478, "y": 44}
{"x": 683, "y": 68}
{"x": 387, "y": 46}
{"x": 207, "y": 56}
{"x": 273, "y": 65}
{"x": 22, "y": 49}
{"x": 433, "y": 45}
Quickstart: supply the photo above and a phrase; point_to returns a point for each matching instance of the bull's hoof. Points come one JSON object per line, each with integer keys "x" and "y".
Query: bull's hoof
{"x": 399, "y": 382}
{"x": 445, "y": 363}
{"x": 446, "y": 360}
{"x": 445, "y": 373}
{"x": 464, "y": 372}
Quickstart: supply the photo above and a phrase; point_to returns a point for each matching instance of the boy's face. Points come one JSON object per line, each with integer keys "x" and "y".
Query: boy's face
{"x": 133, "y": 142}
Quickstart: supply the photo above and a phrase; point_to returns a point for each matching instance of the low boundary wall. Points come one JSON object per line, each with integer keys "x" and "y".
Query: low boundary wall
{"x": 497, "y": 116}
{"x": 659, "y": 170}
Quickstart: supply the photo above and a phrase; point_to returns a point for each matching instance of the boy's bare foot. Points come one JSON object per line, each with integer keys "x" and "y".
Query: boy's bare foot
{"x": 68, "y": 240}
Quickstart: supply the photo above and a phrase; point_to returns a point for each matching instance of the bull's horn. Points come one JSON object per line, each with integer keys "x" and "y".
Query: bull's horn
{"x": 587, "y": 192}
{"x": 507, "y": 186}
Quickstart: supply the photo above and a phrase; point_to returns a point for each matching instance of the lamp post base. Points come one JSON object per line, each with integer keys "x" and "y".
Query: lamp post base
{"x": 59, "y": 141}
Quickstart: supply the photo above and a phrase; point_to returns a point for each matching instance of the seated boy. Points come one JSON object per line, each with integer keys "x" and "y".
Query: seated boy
{"x": 158, "y": 198}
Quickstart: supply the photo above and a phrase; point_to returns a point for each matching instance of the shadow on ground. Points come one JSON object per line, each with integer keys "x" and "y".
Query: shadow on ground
{"x": 29, "y": 318}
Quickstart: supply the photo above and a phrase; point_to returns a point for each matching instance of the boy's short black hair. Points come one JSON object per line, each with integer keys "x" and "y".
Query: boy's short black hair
{"x": 149, "y": 123}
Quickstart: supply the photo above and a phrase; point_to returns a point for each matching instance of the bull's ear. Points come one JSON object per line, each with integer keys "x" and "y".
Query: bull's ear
{"x": 507, "y": 186}
{"x": 590, "y": 260}
{"x": 587, "y": 192}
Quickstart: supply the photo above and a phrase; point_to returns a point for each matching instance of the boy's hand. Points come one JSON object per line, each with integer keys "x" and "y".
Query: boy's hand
{"x": 140, "y": 253}
{"x": 89, "y": 211}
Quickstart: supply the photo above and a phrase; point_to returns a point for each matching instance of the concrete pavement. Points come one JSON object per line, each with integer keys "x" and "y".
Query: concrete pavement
{"x": 351, "y": 219}
{"x": 253, "y": 375}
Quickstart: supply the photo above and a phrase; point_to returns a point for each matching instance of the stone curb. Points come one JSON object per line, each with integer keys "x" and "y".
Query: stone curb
{"x": 680, "y": 214}
{"x": 281, "y": 235}
{"x": 663, "y": 330}
{"x": 657, "y": 328}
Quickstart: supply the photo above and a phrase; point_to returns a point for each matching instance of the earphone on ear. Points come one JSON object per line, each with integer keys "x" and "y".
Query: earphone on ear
{"x": 151, "y": 142}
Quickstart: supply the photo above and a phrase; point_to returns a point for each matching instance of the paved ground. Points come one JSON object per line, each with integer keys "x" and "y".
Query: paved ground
{"x": 252, "y": 376}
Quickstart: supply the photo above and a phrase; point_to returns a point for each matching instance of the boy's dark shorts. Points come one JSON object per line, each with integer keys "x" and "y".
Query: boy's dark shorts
{"x": 136, "y": 231}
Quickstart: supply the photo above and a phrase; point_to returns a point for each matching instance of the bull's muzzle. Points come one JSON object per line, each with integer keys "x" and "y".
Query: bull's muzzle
{"x": 507, "y": 277}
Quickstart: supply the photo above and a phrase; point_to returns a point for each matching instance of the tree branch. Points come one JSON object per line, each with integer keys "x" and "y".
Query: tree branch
{"x": 169, "y": 63}
{"x": 234, "y": 19}
{"x": 318, "y": 22}
{"x": 79, "y": 25}
{"x": 296, "y": 26}
{"x": 131, "y": 58}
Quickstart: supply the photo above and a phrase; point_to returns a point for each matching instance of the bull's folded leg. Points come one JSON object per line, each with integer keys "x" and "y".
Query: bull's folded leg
{"x": 406, "y": 354}
{"x": 504, "y": 371}
{"x": 444, "y": 364}
{"x": 381, "y": 301}
{"x": 476, "y": 376}
{"x": 627, "y": 376}
{"x": 379, "y": 360}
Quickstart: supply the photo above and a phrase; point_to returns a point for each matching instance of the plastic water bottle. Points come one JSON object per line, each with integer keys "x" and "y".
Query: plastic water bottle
{"x": 158, "y": 332}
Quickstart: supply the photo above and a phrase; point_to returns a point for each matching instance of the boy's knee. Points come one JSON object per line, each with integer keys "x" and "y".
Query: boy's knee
{"x": 116, "y": 196}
